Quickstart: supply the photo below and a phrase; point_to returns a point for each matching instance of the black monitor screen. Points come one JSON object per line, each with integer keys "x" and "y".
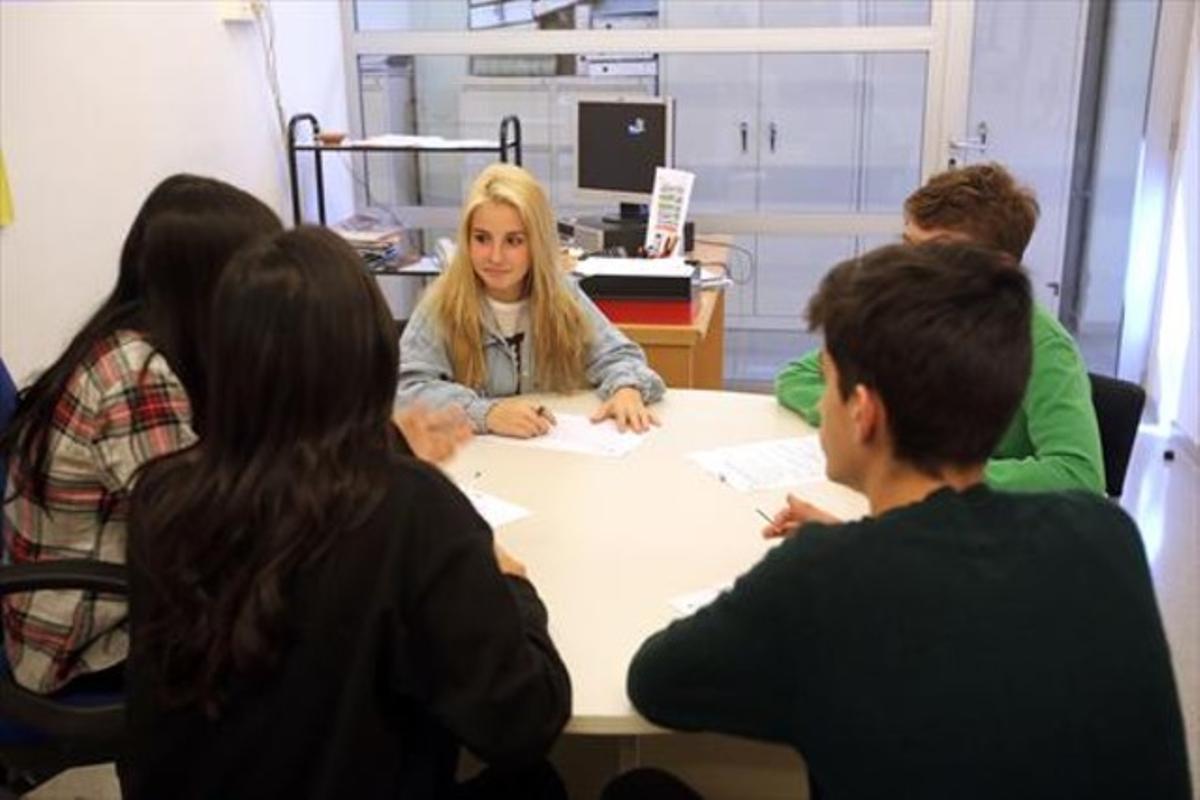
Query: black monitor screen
{"x": 620, "y": 144}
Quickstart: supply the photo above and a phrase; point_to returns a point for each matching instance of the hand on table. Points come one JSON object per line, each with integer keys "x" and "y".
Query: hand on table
{"x": 507, "y": 564}
{"x": 433, "y": 436}
{"x": 626, "y": 408}
{"x": 793, "y": 515}
{"x": 519, "y": 418}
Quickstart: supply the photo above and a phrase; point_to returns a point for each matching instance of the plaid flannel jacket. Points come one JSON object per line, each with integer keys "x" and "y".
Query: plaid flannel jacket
{"x": 121, "y": 408}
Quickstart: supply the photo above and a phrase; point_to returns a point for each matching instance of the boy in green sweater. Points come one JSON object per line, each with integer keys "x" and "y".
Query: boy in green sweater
{"x": 958, "y": 642}
{"x": 1053, "y": 441}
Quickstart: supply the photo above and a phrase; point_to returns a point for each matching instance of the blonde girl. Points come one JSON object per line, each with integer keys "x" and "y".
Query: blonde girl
{"x": 504, "y": 320}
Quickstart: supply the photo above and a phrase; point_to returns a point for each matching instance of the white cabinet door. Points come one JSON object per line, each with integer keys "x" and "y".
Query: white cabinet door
{"x": 890, "y": 157}
{"x": 810, "y": 131}
{"x": 483, "y": 102}
{"x": 789, "y": 270}
{"x": 841, "y": 132}
{"x": 710, "y": 13}
{"x": 716, "y": 99}
{"x": 813, "y": 13}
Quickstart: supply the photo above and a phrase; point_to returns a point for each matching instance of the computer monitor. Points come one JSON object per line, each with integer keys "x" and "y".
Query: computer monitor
{"x": 619, "y": 141}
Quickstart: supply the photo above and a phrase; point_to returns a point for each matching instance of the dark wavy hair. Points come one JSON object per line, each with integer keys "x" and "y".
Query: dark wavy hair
{"x": 301, "y": 372}
{"x": 185, "y": 231}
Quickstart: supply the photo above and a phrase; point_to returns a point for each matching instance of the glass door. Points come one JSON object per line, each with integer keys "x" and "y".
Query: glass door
{"x": 805, "y": 121}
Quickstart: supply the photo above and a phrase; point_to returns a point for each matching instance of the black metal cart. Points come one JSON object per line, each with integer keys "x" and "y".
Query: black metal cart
{"x": 509, "y": 142}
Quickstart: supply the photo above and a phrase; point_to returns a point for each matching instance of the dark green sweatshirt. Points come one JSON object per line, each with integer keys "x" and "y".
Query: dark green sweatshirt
{"x": 976, "y": 645}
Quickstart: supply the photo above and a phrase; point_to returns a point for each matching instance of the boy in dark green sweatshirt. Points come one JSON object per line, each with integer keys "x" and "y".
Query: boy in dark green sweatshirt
{"x": 958, "y": 642}
{"x": 1053, "y": 441}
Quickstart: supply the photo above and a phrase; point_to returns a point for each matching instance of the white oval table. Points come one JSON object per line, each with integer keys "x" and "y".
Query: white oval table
{"x": 610, "y": 541}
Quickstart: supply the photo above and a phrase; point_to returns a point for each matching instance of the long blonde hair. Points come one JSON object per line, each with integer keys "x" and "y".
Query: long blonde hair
{"x": 560, "y": 331}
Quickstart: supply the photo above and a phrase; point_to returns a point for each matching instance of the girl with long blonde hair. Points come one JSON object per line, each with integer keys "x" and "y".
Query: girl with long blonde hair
{"x": 504, "y": 319}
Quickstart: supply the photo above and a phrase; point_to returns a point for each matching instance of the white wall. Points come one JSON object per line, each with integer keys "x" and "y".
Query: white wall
{"x": 1174, "y": 372}
{"x": 1148, "y": 230}
{"x": 1122, "y": 118}
{"x": 101, "y": 100}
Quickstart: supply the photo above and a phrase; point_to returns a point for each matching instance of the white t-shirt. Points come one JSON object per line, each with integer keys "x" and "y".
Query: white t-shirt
{"x": 510, "y": 317}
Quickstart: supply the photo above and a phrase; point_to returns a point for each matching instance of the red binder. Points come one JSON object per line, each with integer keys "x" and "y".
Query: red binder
{"x": 656, "y": 311}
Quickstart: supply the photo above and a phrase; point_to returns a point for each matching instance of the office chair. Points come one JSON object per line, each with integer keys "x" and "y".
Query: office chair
{"x": 41, "y": 736}
{"x": 1119, "y": 407}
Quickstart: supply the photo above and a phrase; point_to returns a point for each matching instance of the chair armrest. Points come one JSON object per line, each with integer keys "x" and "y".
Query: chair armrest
{"x": 69, "y": 722}
{"x": 76, "y": 573}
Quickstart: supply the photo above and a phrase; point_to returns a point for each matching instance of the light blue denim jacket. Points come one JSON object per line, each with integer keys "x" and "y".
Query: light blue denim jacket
{"x": 426, "y": 374}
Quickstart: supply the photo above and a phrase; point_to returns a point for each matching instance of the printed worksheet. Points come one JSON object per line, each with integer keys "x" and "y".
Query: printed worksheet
{"x": 497, "y": 512}
{"x": 687, "y": 604}
{"x": 575, "y": 433}
{"x": 772, "y": 464}
{"x": 668, "y": 211}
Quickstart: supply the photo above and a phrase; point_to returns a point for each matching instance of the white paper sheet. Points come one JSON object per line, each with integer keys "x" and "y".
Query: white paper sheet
{"x": 685, "y": 605}
{"x": 497, "y": 512}
{"x": 655, "y": 267}
{"x": 575, "y": 433}
{"x": 772, "y": 464}
{"x": 668, "y": 210}
{"x": 428, "y": 142}
{"x": 714, "y": 277}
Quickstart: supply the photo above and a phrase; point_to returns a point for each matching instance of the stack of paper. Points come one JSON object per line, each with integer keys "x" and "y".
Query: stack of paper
{"x": 772, "y": 464}
{"x": 382, "y": 243}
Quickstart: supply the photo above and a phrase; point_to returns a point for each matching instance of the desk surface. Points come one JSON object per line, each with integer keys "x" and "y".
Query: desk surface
{"x": 611, "y": 541}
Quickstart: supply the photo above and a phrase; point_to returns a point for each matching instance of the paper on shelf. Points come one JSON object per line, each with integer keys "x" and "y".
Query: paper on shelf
{"x": 497, "y": 512}
{"x": 426, "y": 265}
{"x": 575, "y": 433}
{"x": 428, "y": 142}
{"x": 772, "y": 464}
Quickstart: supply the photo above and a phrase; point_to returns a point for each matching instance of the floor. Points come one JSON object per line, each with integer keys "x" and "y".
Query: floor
{"x": 1162, "y": 494}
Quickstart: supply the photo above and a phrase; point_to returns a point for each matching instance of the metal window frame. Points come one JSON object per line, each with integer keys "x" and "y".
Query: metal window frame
{"x": 946, "y": 42}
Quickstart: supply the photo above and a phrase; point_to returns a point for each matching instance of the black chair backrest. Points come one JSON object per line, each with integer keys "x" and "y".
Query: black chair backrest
{"x": 90, "y": 717}
{"x": 42, "y": 735}
{"x": 1119, "y": 407}
{"x": 8, "y": 404}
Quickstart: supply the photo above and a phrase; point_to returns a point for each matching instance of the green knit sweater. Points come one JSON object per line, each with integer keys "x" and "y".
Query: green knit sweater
{"x": 1053, "y": 441}
{"x": 984, "y": 645}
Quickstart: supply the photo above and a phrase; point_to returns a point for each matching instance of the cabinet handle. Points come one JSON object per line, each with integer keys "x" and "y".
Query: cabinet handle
{"x": 745, "y": 130}
{"x": 772, "y": 135}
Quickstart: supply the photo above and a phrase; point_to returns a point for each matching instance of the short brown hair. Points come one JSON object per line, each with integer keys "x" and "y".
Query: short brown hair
{"x": 983, "y": 201}
{"x": 942, "y": 333}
